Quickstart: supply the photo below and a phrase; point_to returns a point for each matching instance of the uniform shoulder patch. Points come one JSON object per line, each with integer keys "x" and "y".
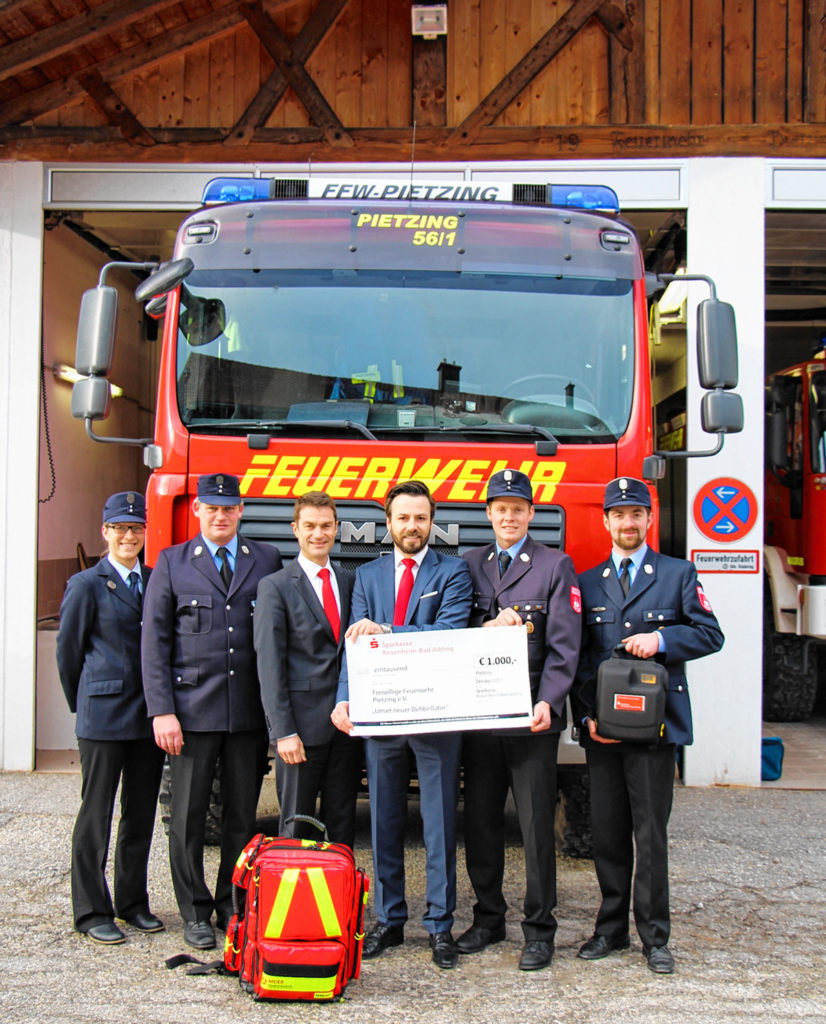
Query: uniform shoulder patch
{"x": 704, "y": 601}
{"x": 576, "y": 600}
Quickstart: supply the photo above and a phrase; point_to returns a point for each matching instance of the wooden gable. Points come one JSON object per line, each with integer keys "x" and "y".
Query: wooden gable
{"x": 326, "y": 80}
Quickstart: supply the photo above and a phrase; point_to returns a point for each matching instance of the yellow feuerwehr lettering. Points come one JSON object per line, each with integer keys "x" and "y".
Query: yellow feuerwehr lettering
{"x": 340, "y": 485}
{"x": 379, "y": 476}
{"x": 475, "y": 472}
{"x": 285, "y": 470}
{"x": 257, "y": 469}
{"x": 429, "y": 472}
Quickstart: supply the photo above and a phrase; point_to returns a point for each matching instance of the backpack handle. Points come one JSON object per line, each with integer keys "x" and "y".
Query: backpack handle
{"x": 322, "y": 828}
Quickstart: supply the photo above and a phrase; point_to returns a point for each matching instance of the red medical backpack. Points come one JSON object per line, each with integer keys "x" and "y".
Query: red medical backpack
{"x": 297, "y": 932}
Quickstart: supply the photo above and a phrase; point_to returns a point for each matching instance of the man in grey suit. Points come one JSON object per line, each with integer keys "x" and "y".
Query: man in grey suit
{"x": 202, "y": 693}
{"x": 98, "y": 658}
{"x": 300, "y": 617}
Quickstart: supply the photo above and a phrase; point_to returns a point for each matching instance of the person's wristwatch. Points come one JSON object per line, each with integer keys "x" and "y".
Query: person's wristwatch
{"x": 386, "y": 627}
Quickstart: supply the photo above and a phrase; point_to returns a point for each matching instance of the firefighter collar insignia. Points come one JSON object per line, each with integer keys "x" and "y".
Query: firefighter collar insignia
{"x": 648, "y": 569}
{"x": 199, "y": 550}
{"x": 490, "y": 556}
{"x": 111, "y": 585}
{"x": 525, "y": 558}
{"x": 606, "y": 572}
{"x": 245, "y": 549}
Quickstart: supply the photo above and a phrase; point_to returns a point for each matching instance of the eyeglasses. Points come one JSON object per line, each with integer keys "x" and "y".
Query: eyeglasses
{"x": 121, "y": 529}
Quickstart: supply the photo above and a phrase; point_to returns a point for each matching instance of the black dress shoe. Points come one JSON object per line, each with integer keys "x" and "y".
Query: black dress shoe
{"x": 445, "y": 954}
{"x": 477, "y": 937}
{"x": 145, "y": 922}
{"x": 381, "y": 937}
{"x": 599, "y": 946}
{"x": 199, "y": 935}
{"x": 107, "y": 934}
{"x": 536, "y": 955}
{"x": 660, "y": 960}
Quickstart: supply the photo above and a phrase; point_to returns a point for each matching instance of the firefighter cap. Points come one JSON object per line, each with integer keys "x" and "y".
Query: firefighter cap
{"x": 509, "y": 483}
{"x": 125, "y": 507}
{"x": 219, "y": 489}
{"x": 625, "y": 490}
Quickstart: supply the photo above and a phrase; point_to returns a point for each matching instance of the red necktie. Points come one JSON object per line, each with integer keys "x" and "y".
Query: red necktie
{"x": 328, "y": 599}
{"x": 405, "y": 588}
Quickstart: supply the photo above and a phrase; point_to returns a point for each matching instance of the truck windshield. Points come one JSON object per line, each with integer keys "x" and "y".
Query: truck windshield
{"x": 406, "y": 353}
{"x": 817, "y": 421}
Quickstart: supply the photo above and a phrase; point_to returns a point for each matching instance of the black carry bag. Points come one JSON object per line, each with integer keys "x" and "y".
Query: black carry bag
{"x": 631, "y": 695}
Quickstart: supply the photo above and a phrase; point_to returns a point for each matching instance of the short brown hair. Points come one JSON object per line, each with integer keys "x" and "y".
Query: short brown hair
{"x": 416, "y": 489}
{"x": 313, "y": 499}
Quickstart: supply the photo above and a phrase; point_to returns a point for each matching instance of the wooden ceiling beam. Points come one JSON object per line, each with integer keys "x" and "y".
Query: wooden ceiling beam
{"x": 293, "y": 70}
{"x": 116, "y": 111}
{"x": 537, "y": 58}
{"x": 272, "y": 91}
{"x": 84, "y": 28}
{"x": 138, "y": 58}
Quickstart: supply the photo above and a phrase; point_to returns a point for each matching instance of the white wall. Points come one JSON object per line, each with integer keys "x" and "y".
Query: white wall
{"x": 726, "y": 241}
{"x": 21, "y": 258}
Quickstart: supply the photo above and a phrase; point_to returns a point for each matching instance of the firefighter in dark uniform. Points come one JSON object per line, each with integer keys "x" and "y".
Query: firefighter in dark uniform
{"x": 99, "y": 661}
{"x": 656, "y": 607}
{"x": 201, "y": 685}
{"x": 519, "y": 582}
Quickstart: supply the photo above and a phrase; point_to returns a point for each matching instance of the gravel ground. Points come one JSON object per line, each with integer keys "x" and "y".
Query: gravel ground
{"x": 748, "y": 872}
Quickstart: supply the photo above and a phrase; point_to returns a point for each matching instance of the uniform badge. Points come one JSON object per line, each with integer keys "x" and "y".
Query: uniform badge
{"x": 490, "y": 556}
{"x": 704, "y": 601}
{"x": 199, "y": 550}
{"x": 576, "y": 600}
{"x": 111, "y": 585}
{"x": 529, "y": 626}
{"x": 606, "y": 572}
{"x": 524, "y": 557}
{"x": 648, "y": 569}
{"x": 245, "y": 549}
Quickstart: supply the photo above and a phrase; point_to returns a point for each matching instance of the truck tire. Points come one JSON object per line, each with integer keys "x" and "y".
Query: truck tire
{"x": 212, "y": 835}
{"x": 573, "y": 812}
{"x": 789, "y": 671}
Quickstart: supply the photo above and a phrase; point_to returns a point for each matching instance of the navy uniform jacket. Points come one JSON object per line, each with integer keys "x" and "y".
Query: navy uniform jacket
{"x": 298, "y": 657}
{"x": 542, "y": 587}
{"x": 666, "y": 595}
{"x": 197, "y": 651}
{"x": 440, "y": 598}
{"x": 99, "y": 655}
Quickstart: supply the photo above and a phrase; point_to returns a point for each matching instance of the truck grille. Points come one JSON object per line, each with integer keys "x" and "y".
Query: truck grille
{"x": 362, "y": 529}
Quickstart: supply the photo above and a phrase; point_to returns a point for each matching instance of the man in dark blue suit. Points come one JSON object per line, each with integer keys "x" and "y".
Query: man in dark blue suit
{"x": 98, "y": 658}
{"x": 655, "y": 606}
{"x": 300, "y": 618}
{"x": 415, "y": 589}
{"x": 201, "y": 686}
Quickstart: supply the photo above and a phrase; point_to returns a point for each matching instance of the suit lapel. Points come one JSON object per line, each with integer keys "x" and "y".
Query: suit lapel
{"x": 309, "y": 596}
{"x": 344, "y": 601}
{"x": 610, "y": 584}
{"x": 244, "y": 562}
{"x": 421, "y": 585}
{"x": 114, "y": 584}
{"x": 518, "y": 567}
{"x": 646, "y": 575}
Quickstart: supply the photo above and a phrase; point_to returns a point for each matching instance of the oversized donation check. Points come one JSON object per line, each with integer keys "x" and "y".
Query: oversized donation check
{"x": 439, "y": 681}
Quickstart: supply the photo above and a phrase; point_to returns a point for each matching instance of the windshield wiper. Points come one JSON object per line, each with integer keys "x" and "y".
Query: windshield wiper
{"x": 527, "y": 430}
{"x": 259, "y": 428}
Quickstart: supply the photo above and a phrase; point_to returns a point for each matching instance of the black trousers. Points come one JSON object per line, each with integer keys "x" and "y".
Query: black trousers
{"x": 527, "y": 766}
{"x": 332, "y": 769}
{"x": 136, "y": 765}
{"x": 242, "y": 756}
{"x": 632, "y": 790}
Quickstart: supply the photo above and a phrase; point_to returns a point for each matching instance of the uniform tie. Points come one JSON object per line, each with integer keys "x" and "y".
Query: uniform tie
{"x": 133, "y": 581}
{"x": 625, "y": 575}
{"x": 504, "y": 561}
{"x": 226, "y": 572}
{"x": 328, "y": 599}
{"x": 405, "y": 588}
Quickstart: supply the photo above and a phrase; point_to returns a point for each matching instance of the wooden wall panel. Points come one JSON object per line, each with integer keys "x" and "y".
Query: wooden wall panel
{"x": 374, "y": 63}
{"x": 221, "y": 75}
{"x": 171, "y": 92}
{"x": 399, "y": 111}
{"x": 795, "y": 35}
{"x": 347, "y": 98}
{"x": 815, "y": 94}
{"x": 518, "y": 38}
{"x": 706, "y": 62}
{"x": 290, "y": 21}
{"x": 738, "y": 63}
{"x": 675, "y": 63}
{"x": 770, "y": 62}
{"x": 196, "y": 87}
{"x": 652, "y": 60}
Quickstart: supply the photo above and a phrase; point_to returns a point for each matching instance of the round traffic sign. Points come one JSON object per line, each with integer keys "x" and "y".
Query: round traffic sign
{"x": 725, "y": 509}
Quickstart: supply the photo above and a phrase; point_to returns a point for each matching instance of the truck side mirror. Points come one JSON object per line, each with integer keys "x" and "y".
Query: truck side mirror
{"x": 721, "y": 412}
{"x": 96, "y": 330}
{"x": 716, "y": 345}
{"x": 777, "y": 447}
{"x": 167, "y": 277}
{"x": 91, "y": 399}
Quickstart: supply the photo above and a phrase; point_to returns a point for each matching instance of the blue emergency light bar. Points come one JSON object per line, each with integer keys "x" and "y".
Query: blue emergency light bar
{"x": 599, "y": 198}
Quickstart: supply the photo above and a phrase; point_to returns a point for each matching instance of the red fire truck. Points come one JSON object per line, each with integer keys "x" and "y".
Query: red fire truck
{"x": 347, "y": 334}
{"x": 794, "y": 627}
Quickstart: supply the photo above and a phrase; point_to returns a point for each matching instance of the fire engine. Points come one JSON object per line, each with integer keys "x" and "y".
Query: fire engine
{"x": 346, "y": 334}
{"x": 794, "y": 627}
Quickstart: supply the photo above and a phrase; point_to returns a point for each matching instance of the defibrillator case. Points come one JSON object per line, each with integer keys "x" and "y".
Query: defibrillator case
{"x": 631, "y": 695}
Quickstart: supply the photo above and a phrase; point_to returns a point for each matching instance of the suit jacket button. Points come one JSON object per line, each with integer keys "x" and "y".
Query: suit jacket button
{"x": 598, "y": 618}
{"x": 627, "y": 625}
{"x": 232, "y": 671}
{"x": 232, "y": 650}
{"x": 230, "y": 628}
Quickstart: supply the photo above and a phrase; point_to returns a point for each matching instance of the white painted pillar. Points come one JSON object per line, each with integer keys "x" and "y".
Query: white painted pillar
{"x": 21, "y": 262}
{"x": 726, "y": 240}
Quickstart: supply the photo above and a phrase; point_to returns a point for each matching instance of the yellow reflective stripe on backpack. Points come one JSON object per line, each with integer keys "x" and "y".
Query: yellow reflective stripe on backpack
{"x": 324, "y": 902}
{"x": 283, "y": 899}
